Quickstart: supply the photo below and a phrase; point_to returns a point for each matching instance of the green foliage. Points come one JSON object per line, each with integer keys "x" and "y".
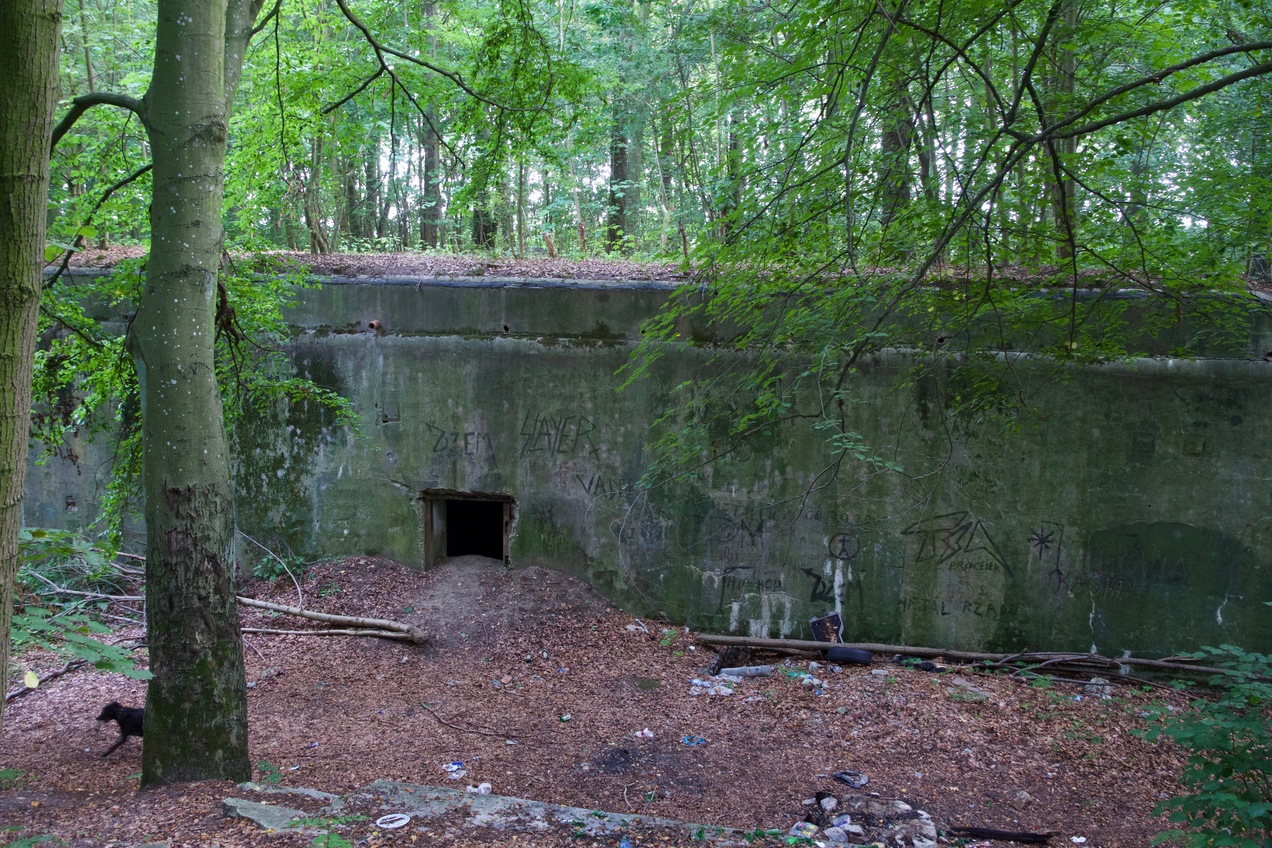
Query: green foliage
{"x": 71, "y": 633}
{"x": 67, "y": 559}
{"x": 59, "y": 560}
{"x": 84, "y": 383}
{"x": 11, "y": 777}
{"x": 1229, "y": 768}
{"x": 330, "y": 840}
{"x": 959, "y": 184}
{"x": 29, "y": 841}
{"x": 329, "y": 823}
{"x": 277, "y": 568}
{"x": 269, "y": 772}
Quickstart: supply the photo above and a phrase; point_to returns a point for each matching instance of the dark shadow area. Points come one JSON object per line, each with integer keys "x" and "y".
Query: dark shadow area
{"x": 475, "y": 527}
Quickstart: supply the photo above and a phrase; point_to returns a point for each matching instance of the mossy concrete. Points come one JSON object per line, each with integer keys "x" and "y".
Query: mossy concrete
{"x": 1127, "y": 508}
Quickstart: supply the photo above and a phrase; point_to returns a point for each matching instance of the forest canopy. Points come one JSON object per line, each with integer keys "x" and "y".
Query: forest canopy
{"x": 1129, "y": 139}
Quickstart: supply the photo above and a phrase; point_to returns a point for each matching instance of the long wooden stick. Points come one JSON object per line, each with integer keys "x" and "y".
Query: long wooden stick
{"x": 1174, "y": 664}
{"x": 408, "y": 631}
{"x": 382, "y": 634}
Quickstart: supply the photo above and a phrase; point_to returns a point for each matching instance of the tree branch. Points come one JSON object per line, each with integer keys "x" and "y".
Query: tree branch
{"x": 380, "y": 634}
{"x": 52, "y": 675}
{"x": 273, "y": 13}
{"x": 331, "y": 107}
{"x": 407, "y": 631}
{"x": 101, "y": 201}
{"x": 1156, "y": 78}
{"x": 84, "y": 102}
{"x": 381, "y": 49}
{"x": 1156, "y": 106}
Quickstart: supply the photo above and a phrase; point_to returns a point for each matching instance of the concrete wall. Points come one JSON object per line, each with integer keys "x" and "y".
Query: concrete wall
{"x": 1129, "y": 508}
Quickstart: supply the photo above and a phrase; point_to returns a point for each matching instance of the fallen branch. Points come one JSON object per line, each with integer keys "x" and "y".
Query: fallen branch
{"x": 382, "y": 634}
{"x": 406, "y": 632}
{"x": 52, "y": 675}
{"x": 94, "y": 596}
{"x": 480, "y": 730}
{"x": 1176, "y": 665}
{"x": 1002, "y": 835}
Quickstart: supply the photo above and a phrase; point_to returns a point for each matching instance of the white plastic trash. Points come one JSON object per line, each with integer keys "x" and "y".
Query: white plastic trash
{"x": 748, "y": 671}
{"x": 393, "y": 821}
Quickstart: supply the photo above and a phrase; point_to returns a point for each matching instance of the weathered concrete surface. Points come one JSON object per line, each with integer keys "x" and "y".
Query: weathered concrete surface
{"x": 1128, "y": 507}
{"x": 483, "y": 811}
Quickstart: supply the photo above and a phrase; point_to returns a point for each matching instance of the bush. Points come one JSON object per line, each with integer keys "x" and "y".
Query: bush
{"x": 1229, "y": 768}
{"x": 66, "y": 586}
{"x": 273, "y": 568}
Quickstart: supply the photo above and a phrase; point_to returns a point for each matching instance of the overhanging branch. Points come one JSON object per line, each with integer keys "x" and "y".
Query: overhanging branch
{"x": 1158, "y": 105}
{"x": 84, "y": 102}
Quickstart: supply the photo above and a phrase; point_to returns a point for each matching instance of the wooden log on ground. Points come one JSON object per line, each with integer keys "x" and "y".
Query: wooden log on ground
{"x": 1174, "y": 665}
{"x": 408, "y": 632}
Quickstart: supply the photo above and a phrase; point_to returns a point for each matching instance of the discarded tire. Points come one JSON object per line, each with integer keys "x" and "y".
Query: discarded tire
{"x": 849, "y": 656}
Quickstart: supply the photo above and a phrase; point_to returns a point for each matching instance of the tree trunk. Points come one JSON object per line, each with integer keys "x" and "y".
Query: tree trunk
{"x": 616, "y": 215}
{"x": 196, "y": 709}
{"x": 28, "y": 66}
{"x": 432, "y": 176}
{"x": 521, "y": 209}
{"x": 318, "y": 243}
{"x": 1063, "y": 209}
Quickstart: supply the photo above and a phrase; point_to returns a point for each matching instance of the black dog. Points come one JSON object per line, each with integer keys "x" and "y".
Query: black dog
{"x": 129, "y": 719}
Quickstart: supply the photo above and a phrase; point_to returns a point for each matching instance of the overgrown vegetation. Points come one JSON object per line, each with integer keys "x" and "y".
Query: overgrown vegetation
{"x": 1229, "y": 743}
{"x": 68, "y": 591}
{"x": 85, "y": 383}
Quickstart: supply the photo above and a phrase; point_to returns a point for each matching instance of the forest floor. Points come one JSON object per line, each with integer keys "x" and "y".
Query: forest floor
{"x": 542, "y": 689}
{"x": 540, "y": 267}
{"x": 427, "y": 265}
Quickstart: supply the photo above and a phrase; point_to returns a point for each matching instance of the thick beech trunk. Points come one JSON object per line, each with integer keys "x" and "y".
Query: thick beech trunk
{"x": 28, "y": 66}
{"x": 196, "y": 710}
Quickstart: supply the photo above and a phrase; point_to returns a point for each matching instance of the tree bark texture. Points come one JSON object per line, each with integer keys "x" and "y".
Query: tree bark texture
{"x": 196, "y": 711}
{"x": 28, "y": 65}
{"x": 618, "y": 202}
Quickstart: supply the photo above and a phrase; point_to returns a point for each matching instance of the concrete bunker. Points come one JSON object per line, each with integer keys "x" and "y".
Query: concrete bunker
{"x": 466, "y": 523}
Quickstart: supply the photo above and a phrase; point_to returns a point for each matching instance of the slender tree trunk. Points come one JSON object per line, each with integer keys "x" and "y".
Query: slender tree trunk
{"x": 28, "y": 66}
{"x": 430, "y": 228}
{"x": 733, "y": 176}
{"x": 895, "y": 179}
{"x": 663, "y": 158}
{"x": 1063, "y": 209}
{"x": 313, "y": 208}
{"x": 616, "y": 216}
{"x": 521, "y": 209}
{"x": 196, "y": 709}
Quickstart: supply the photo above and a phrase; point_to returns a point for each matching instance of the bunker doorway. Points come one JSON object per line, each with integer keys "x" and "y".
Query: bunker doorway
{"x": 465, "y": 524}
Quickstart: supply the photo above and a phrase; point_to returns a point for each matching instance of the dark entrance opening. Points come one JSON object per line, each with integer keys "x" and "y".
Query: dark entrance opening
{"x": 475, "y": 527}
{"x": 465, "y": 524}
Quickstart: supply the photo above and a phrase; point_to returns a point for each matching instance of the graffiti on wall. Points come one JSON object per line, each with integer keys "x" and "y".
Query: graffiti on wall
{"x": 567, "y": 435}
{"x": 1047, "y": 555}
{"x": 955, "y": 576}
{"x": 604, "y": 487}
{"x": 458, "y": 444}
{"x": 956, "y": 541}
